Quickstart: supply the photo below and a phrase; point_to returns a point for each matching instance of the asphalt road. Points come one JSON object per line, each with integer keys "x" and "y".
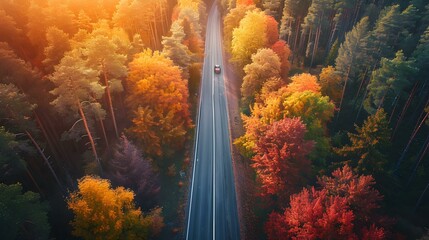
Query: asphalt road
{"x": 212, "y": 208}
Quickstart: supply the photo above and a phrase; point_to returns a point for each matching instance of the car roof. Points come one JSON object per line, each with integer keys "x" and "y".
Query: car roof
{"x": 217, "y": 65}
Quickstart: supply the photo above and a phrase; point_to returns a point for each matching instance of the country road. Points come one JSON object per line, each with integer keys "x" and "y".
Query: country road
{"x": 212, "y": 207}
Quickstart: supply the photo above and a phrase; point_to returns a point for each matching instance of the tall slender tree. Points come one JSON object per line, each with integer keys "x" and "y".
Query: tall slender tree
{"x": 314, "y": 23}
{"x": 352, "y": 55}
{"x": 17, "y": 116}
{"x": 272, "y": 8}
{"x": 176, "y": 50}
{"x": 76, "y": 90}
{"x": 293, "y": 15}
{"x": 104, "y": 56}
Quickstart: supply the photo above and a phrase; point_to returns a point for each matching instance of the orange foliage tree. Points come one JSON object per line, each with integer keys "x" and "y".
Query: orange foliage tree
{"x": 245, "y": 2}
{"x": 272, "y": 30}
{"x": 303, "y": 82}
{"x": 158, "y": 97}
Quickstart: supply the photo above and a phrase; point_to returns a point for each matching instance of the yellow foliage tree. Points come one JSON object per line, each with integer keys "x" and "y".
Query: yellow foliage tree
{"x": 331, "y": 83}
{"x": 249, "y": 36}
{"x": 232, "y": 21}
{"x": 193, "y": 4}
{"x": 101, "y": 212}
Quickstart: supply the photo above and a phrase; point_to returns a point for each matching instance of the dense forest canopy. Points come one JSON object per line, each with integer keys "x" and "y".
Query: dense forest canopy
{"x": 354, "y": 73}
{"x": 85, "y": 87}
{"x": 98, "y": 105}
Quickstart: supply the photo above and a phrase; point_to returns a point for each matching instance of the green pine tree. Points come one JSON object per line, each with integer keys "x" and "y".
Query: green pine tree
{"x": 389, "y": 83}
{"x": 367, "y": 151}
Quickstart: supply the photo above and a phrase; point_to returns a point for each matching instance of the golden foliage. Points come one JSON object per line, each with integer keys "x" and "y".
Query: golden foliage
{"x": 158, "y": 97}
{"x": 249, "y": 36}
{"x": 101, "y": 212}
{"x": 331, "y": 83}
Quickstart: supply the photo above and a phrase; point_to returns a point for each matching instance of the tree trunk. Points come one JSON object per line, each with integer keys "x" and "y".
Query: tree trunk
{"x": 332, "y": 35}
{"x": 398, "y": 163}
{"x": 88, "y": 132}
{"x": 109, "y": 101}
{"x": 316, "y": 45}
{"x": 290, "y": 33}
{"x": 421, "y": 197}
{"x": 295, "y": 42}
{"x": 308, "y": 41}
{"x": 34, "y": 181}
{"x": 153, "y": 35}
{"x": 361, "y": 84}
{"x": 404, "y": 109}
{"x": 344, "y": 90}
{"x": 422, "y": 153}
{"x": 382, "y": 100}
{"x": 45, "y": 134}
{"x": 103, "y": 129}
{"x": 395, "y": 105}
{"x": 356, "y": 12}
{"x": 361, "y": 105}
{"x": 39, "y": 150}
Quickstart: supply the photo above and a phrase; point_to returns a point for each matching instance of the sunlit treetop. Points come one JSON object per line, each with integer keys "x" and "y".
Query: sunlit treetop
{"x": 103, "y": 212}
{"x": 232, "y": 21}
{"x": 245, "y": 2}
{"x": 249, "y": 36}
{"x": 158, "y": 97}
{"x": 303, "y": 82}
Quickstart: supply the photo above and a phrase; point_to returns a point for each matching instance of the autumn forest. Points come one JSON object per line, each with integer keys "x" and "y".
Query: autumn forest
{"x": 328, "y": 104}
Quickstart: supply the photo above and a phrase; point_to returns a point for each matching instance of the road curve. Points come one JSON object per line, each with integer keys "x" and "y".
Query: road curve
{"x": 212, "y": 208}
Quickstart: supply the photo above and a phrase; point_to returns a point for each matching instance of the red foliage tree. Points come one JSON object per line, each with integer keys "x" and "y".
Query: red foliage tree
{"x": 281, "y": 157}
{"x": 343, "y": 209}
{"x": 312, "y": 215}
{"x": 373, "y": 233}
{"x": 361, "y": 196}
{"x": 358, "y": 190}
{"x": 283, "y": 51}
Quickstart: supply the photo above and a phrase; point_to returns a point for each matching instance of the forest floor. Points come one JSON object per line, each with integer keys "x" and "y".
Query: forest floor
{"x": 243, "y": 173}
